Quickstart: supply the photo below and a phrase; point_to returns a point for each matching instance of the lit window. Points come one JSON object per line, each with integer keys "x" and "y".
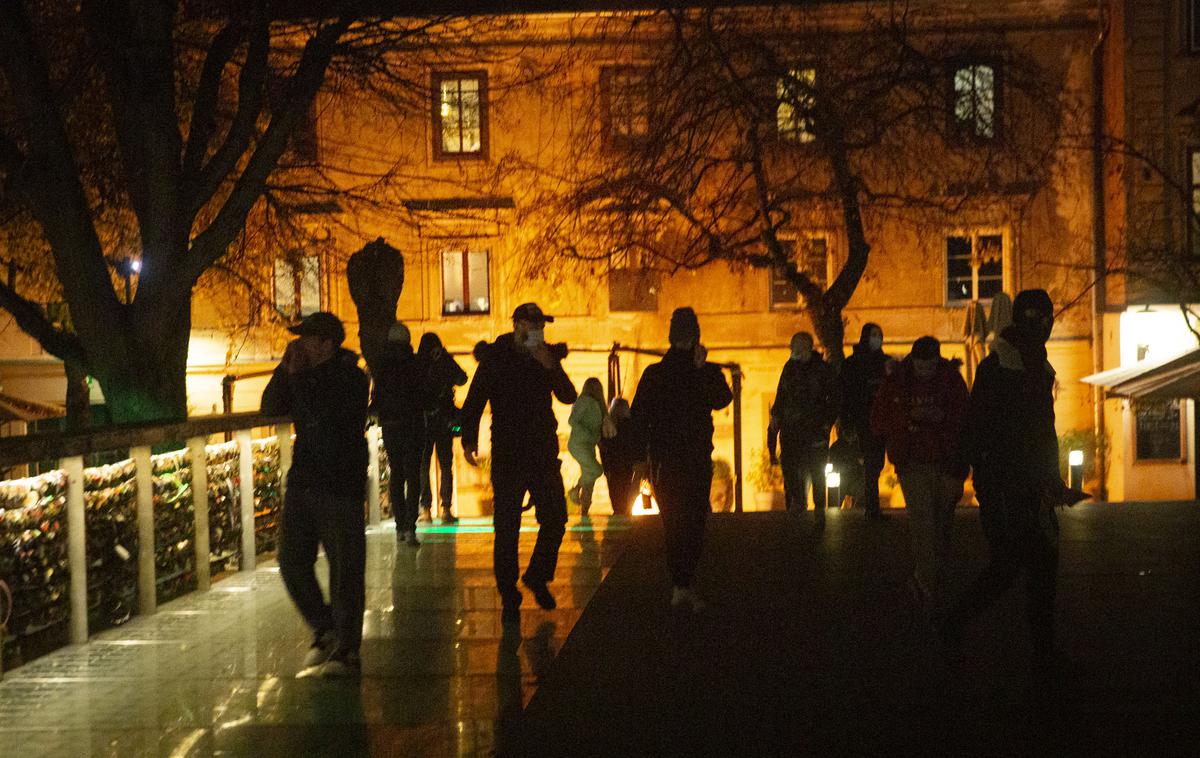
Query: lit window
{"x": 812, "y": 257}
{"x": 465, "y": 282}
{"x": 974, "y": 267}
{"x": 975, "y": 100}
{"x": 625, "y": 96}
{"x": 793, "y": 116}
{"x": 298, "y": 286}
{"x": 1194, "y": 215}
{"x": 460, "y": 114}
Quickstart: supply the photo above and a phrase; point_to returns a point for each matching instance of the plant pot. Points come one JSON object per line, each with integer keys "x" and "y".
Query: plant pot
{"x": 721, "y": 495}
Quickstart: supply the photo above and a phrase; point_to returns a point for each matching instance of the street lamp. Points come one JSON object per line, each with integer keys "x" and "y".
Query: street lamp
{"x": 126, "y": 267}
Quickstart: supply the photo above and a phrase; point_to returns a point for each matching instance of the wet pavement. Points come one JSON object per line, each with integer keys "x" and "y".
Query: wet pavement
{"x": 215, "y": 673}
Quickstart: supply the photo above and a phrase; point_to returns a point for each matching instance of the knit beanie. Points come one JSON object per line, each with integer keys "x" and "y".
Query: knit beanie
{"x": 685, "y": 326}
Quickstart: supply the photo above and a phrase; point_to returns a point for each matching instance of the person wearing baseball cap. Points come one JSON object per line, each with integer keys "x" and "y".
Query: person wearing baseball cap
{"x": 320, "y": 386}
{"x": 519, "y": 375}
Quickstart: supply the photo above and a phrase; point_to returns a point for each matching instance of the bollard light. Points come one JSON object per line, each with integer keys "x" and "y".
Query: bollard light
{"x": 833, "y": 484}
{"x": 828, "y": 469}
{"x": 833, "y": 479}
{"x": 644, "y": 504}
{"x": 1075, "y": 469}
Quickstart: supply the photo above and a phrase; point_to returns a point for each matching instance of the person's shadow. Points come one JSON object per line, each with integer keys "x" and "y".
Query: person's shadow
{"x": 510, "y": 695}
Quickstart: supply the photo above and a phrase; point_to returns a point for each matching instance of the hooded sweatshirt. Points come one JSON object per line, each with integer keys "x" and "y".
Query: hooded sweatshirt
{"x": 862, "y": 375}
{"x": 520, "y": 391}
{"x": 919, "y": 420}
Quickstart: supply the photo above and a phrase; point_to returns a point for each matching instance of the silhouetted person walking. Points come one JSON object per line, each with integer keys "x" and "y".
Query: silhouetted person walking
{"x": 319, "y": 385}
{"x": 919, "y": 413}
{"x": 518, "y": 375}
{"x": 1013, "y": 448}
{"x": 862, "y": 375}
{"x": 399, "y": 401}
{"x": 442, "y": 374}
{"x": 619, "y": 454}
{"x": 806, "y": 405}
{"x": 587, "y": 430}
{"x": 672, "y": 414}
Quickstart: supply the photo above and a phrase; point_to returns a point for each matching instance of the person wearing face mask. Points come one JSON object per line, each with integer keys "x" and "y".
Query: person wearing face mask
{"x": 862, "y": 375}
{"x": 806, "y": 405}
{"x": 1012, "y": 446}
{"x": 918, "y": 412}
{"x": 320, "y": 386}
{"x": 672, "y": 421}
{"x": 442, "y": 374}
{"x": 519, "y": 375}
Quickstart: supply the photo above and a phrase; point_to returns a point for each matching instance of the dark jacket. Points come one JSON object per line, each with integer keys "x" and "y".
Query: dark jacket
{"x": 442, "y": 374}
{"x": 1009, "y": 430}
{"x": 620, "y": 452}
{"x": 673, "y": 406}
{"x": 400, "y": 389}
{"x": 921, "y": 421}
{"x": 519, "y": 390}
{"x": 328, "y": 405}
{"x": 806, "y": 402}
{"x": 862, "y": 376}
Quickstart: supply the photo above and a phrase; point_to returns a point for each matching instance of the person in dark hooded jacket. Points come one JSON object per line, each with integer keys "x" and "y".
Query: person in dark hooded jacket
{"x": 862, "y": 375}
{"x": 442, "y": 374}
{"x": 320, "y": 386}
{"x": 672, "y": 419}
{"x": 802, "y": 416}
{"x": 519, "y": 375}
{"x": 1012, "y": 446}
{"x": 399, "y": 401}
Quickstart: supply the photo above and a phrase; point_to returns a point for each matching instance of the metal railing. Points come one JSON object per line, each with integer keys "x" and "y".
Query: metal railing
{"x": 140, "y": 500}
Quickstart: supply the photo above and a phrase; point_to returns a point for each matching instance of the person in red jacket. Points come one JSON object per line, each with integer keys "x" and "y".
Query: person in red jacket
{"x": 918, "y": 413}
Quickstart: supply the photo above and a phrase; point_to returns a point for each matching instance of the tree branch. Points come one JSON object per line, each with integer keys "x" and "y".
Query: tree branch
{"x": 203, "y": 124}
{"x": 32, "y": 320}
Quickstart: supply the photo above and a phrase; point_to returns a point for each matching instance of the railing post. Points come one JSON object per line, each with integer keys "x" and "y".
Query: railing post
{"x": 144, "y": 476}
{"x": 246, "y": 488}
{"x": 283, "y": 434}
{"x": 199, "y": 464}
{"x": 736, "y": 371}
{"x": 77, "y": 548}
{"x": 374, "y": 511}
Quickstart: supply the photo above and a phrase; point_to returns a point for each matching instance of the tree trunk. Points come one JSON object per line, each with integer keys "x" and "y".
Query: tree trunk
{"x": 831, "y": 332}
{"x": 149, "y": 382}
{"x": 79, "y": 398}
{"x": 376, "y": 277}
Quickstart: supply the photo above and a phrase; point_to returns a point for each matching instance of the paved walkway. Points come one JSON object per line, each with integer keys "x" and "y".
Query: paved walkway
{"x": 214, "y": 673}
{"x": 811, "y": 645}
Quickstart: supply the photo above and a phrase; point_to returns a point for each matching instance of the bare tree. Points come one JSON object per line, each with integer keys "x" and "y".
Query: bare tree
{"x": 150, "y": 148}
{"x": 760, "y": 124}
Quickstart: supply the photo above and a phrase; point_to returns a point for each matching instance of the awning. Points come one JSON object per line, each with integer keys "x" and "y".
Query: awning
{"x": 1176, "y": 376}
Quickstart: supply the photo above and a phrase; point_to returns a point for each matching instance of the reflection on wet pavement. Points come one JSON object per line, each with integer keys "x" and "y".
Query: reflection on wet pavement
{"x": 215, "y": 673}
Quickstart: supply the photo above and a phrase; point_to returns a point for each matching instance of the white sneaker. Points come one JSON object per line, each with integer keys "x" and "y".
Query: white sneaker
{"x": 320, "y": 651}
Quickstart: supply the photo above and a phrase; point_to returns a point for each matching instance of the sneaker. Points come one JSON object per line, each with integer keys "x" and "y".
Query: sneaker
{"x": 541, "y": 593}
{"x": 401, "y": 536}
{"x": 449, "y": 519}
{"x": 412, "y": 538}
{"x": 322, "y": 647}
{"x": 426, "y": 516}
{"x": 686, "y": 596}
{"x": 342, "y": 666}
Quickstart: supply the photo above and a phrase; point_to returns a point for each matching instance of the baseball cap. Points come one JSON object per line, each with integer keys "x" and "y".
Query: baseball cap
{"x": 532, "y": 313}
{"x": 321, "y": 324}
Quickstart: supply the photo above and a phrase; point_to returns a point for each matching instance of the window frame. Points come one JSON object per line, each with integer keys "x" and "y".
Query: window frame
{"x": 1192, "y": 209}
{"x": 464, "y": 251}
{"x": 439, "y": 151}
{"x": 786, "y": 137}
{"x": 1191, "y": 31}
{"x": 974, "y": 233}
{"x": 796, "y": 239}
{"x": 959, "y": 132}
{"x": 609, "y": 139}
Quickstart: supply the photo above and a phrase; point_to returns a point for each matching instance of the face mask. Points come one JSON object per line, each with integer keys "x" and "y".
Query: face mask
{"x": 535, "y": 337}
{"x": 875, "y": 342}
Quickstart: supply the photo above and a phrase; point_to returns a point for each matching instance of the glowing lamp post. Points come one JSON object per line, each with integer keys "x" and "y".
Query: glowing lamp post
{"x": 644, "y": 504}
{"x": 1075, "y": 469}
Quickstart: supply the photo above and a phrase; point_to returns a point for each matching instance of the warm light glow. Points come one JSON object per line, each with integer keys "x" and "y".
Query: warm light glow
{"x": 1153, "y": 333}
{"x": 828, "y": 469}
{"x": 1075, "y": 457}
{"x": 644, "y": 504}
{"x": 135, "y": 265}
{"x": 833, "y": 480}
